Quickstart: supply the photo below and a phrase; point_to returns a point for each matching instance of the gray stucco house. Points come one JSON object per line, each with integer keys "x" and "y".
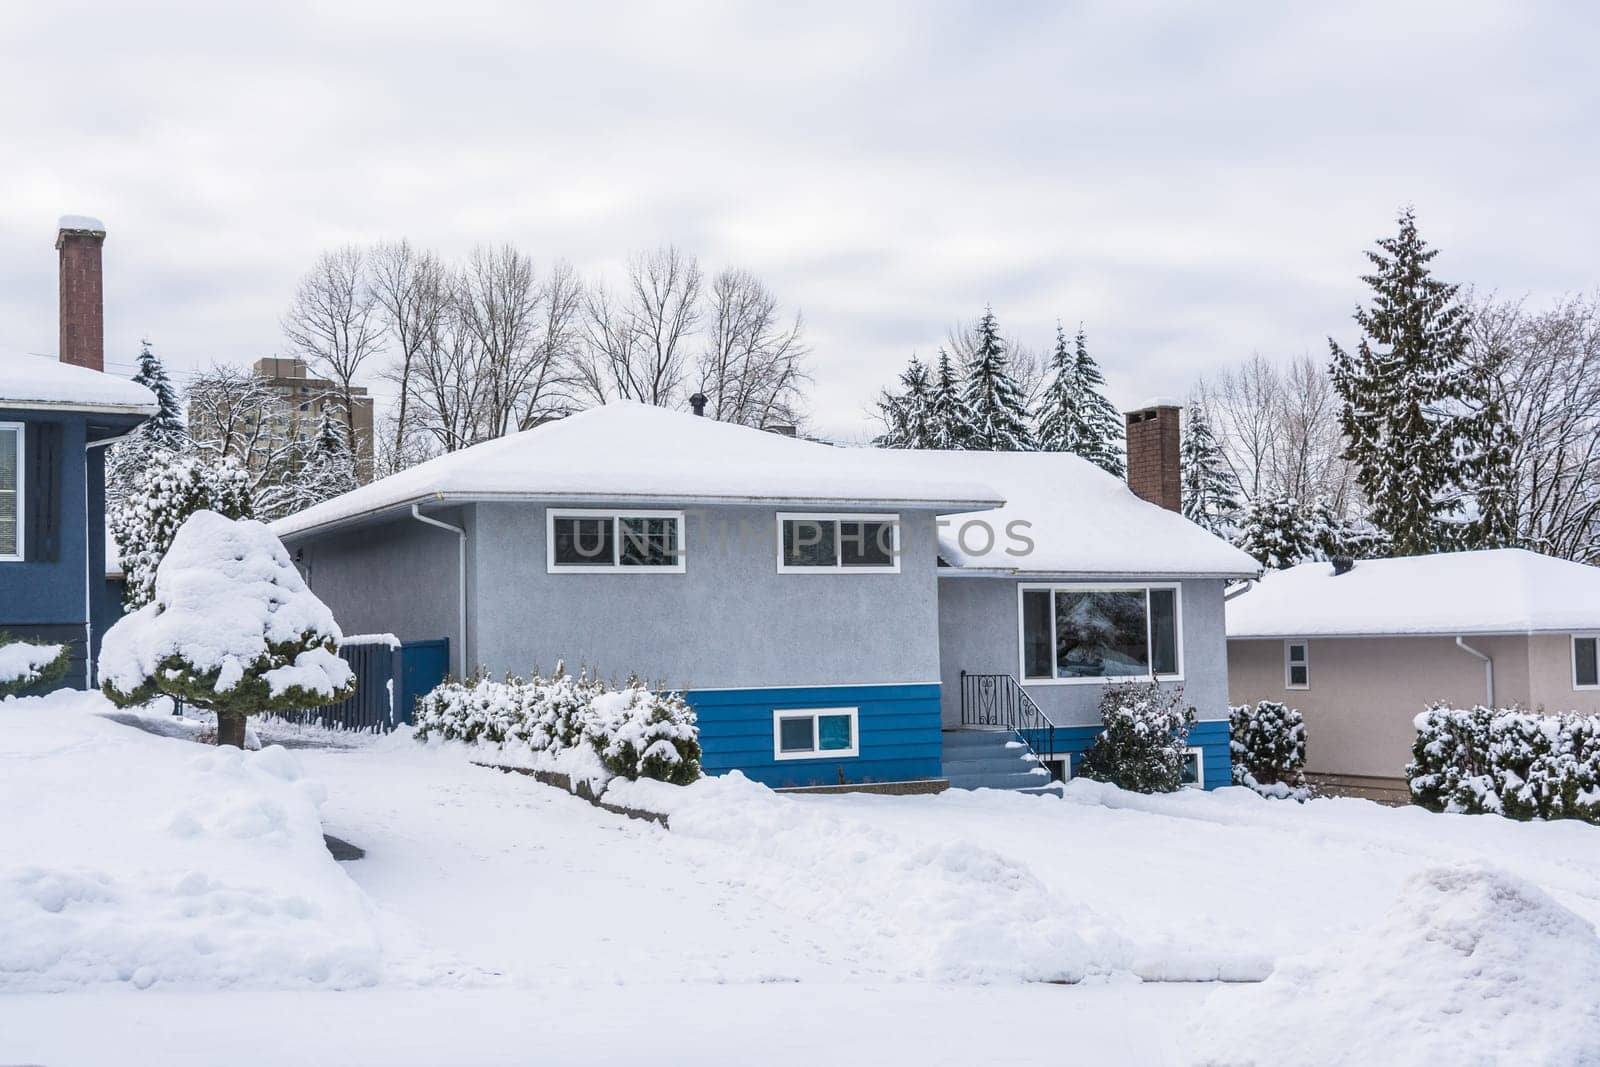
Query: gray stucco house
{"x": 834, "y": 615}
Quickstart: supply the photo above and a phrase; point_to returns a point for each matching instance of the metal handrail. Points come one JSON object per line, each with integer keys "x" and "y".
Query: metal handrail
{"x": 1000, "y": 700}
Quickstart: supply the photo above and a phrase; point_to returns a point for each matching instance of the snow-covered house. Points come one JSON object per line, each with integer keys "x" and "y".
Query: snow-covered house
{"x": 832, "y": 614}
{"x": 56, "y": 417}
{"x": 1363, "y": 652}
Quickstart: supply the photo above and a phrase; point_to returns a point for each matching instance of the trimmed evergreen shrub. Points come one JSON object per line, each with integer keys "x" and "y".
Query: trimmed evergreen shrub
{"x": 1508, "y": 761}
{"x": 1267, "y": 743}
{"x": 26, "y": 665}
{"x": 1145, "y": 740}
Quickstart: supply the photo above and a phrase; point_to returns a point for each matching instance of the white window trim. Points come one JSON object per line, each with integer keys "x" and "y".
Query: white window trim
{"x": 1199, "y": 755}
{"x": 22, "y": 491}
{"x": 1288, "y": 682}
{"x": 779, "y": 714}
{"x": 1098, "y": 587}
{"x": 839, "y": 516}
{"x": 614, "y": 514}
{"x": 1574, "y": 649}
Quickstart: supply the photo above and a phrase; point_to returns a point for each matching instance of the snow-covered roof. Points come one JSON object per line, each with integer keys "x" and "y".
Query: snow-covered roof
{"x": 1503, "y": 591}
{"x": 1080, "y": 521}
{"x": 628, "y": 452}
{"x": 28, "y": 381}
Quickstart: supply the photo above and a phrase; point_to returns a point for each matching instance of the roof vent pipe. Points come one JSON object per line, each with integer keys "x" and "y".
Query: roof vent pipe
{"x": 1342, "y": 564}
{"x": 698, "y": 403}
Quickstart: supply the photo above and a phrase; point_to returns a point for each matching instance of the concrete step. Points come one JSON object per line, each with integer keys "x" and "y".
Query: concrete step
{"x": 996, "y": 740}
{"x": 1001, "y": 764}
{"x": 1024, "y": 780}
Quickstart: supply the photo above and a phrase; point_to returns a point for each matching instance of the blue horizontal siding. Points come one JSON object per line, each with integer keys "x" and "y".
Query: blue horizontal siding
{"x": 1210, "y": 736}
{"x": 898, "y": 726}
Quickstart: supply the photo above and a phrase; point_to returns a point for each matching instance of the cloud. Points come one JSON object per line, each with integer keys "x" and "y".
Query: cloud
{"x": 1192, "y": 183}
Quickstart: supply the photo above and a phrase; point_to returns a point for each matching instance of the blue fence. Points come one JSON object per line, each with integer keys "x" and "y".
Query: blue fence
{"x": 390, "y": 676}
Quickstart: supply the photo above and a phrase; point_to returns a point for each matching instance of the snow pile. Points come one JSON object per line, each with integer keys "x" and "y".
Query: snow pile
{"x": 1507, "y": 761}
{"x": 228, "y": 601}
{"x": 1471, "y": 965}
{"x": 130, "y": 859}
{"x": 23, "y": 663}
{"x": 1267, "y": 742}
{"x": 571, "y": 725}
{"x": 948, "y": 910}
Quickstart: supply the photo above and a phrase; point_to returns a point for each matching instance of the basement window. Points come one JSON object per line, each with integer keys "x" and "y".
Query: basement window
{"x": 809, "y": 544}
{"x": 1096, "y": 634}
{"x": 1194, "y": 768}
{"x": 815, "y": 733}
{"x": 1296, "y": 665}
{"x": 587, "y": 541}
{"x": 11, "y": 506}
{"x": 1585, "y": 661}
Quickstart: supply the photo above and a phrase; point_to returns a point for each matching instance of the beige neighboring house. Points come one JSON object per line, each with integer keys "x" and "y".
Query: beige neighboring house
{"x": 1363, "y": 652}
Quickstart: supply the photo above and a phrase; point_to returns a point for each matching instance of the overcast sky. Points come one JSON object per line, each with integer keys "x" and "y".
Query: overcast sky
{"x": 1192, "y": 182}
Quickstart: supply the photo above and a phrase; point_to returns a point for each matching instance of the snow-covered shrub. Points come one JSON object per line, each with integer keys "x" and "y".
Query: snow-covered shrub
{"x": 170, "y": 488}
{"x": 24, "y": 664}
{"x": 1268, "y": 746}
{"x": 1145, "y": 741}
{"x": 1509, "y": 761}
{"x": 635, "y": 731}
{"x": 232, "y": 629}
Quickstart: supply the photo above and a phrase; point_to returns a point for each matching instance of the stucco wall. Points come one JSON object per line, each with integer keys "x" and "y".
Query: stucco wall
{"x": 979, "y": 632}
{"x": 1550, "y": 676}
{"x": 1366, "y": 692}
{"x": 729, "y": 621}
{"x": 397, "y": 577}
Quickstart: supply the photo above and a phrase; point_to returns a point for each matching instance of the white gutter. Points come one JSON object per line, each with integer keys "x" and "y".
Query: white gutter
{"x": 1488, "y": 667}
{"x": 88, "y": 585}
{"x": 461, "y": 577}
{"x": 1249, "y": 584}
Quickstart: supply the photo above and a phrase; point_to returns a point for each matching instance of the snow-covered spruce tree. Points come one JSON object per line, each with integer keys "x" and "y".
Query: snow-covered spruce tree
{"x": 1268, "y": 744}
{"x": 1145, "y": 740}
{"x": 232, "y": 629}
{"x": 170, "y": 489}
{"x": 1335, "y": 535}
{"x": 1419, "y": 421}
{"x": 908, "y": 415}
{"x": 1277, "y": 532}
{"x": 162, "y": 432}
{"x": 1075, "y": 415}
{"x": 994, "y": 402}
{"x": 1209, "y": 497}
{"x": 949, "y": 421}
{"x": 331, "y": 468}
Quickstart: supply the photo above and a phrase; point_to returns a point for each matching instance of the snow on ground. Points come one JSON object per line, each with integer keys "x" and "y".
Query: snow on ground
{"x": 134, "y": 860}
{"x": 504, "y": 921}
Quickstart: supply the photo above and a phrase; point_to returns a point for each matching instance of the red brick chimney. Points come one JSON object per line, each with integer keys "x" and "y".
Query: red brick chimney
{"x": 83, "y": 326}
{"x": 1153, "y": 440}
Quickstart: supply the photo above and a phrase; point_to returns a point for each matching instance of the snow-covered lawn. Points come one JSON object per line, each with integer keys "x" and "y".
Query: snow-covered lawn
{"x": 496, "y": 920}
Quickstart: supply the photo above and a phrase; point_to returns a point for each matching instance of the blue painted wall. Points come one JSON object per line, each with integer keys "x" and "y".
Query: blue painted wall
{"x": 898, "y": 724}
{"x": 1211, "y": 736}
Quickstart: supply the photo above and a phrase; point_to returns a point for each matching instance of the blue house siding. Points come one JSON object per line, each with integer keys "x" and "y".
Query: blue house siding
{"x": 898, "y": 726}
{"x": 1210, "y": 736}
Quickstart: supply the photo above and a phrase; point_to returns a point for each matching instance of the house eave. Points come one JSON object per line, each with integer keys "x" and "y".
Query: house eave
{"x": 1089, "y": 576}
{"x": 1374, "y": 635}
{"x": 91, "y": 409}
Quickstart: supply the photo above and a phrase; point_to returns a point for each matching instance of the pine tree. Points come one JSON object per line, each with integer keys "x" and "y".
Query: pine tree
{"x": 1075, "y": 415}
{"x": 1418, "y": 420}
{"x": 169, "y": 490}
{"x": 907, "y": 415}
{"x": 1208, "y": 489}
{"x": 1277, "y": 532}
{"x": 331, "y": 468}
{"x": 993, "y": 400}
{"x": 165, "y": 428}
{"x": 949, "y": 422}
{"x": 1104, "y": 421}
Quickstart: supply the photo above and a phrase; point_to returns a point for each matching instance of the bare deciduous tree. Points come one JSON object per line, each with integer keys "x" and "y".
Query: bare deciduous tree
{"x": 752, "y": 367}
{"x": 498, "y": 301}
{"x": 413, "y": 293}
{"x": 334, "y": 323}
{"x": 637, "y": 343}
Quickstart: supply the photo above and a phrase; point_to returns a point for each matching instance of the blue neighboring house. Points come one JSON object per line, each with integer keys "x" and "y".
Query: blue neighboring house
{"x": 56, "y": 419}
{"x": 837, "y": 617}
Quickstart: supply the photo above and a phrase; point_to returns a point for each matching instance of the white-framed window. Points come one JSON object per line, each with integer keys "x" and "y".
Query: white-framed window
{"x": 593, "y": 540}
{"x": 13, "y": 445}
{"x": 1194, "y": 768}
{"x": 1073, "y": 634}
{"x": 1296, "y": 665}
{"x": 1586, "y": 661}
{"x": 830, "y": 543}
{"x": 815, "y": 733}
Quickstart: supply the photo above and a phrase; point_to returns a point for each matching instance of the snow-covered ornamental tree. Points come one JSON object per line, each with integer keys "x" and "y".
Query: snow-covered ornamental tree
{"x": 1508, "y": 761}
{"x": 232, "y": 629}
{"x": 171, "y": 488}
{"x": 1145, "y": 741}
{"x": 24, "y": 665}
{"x": 1268, "y": 745}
